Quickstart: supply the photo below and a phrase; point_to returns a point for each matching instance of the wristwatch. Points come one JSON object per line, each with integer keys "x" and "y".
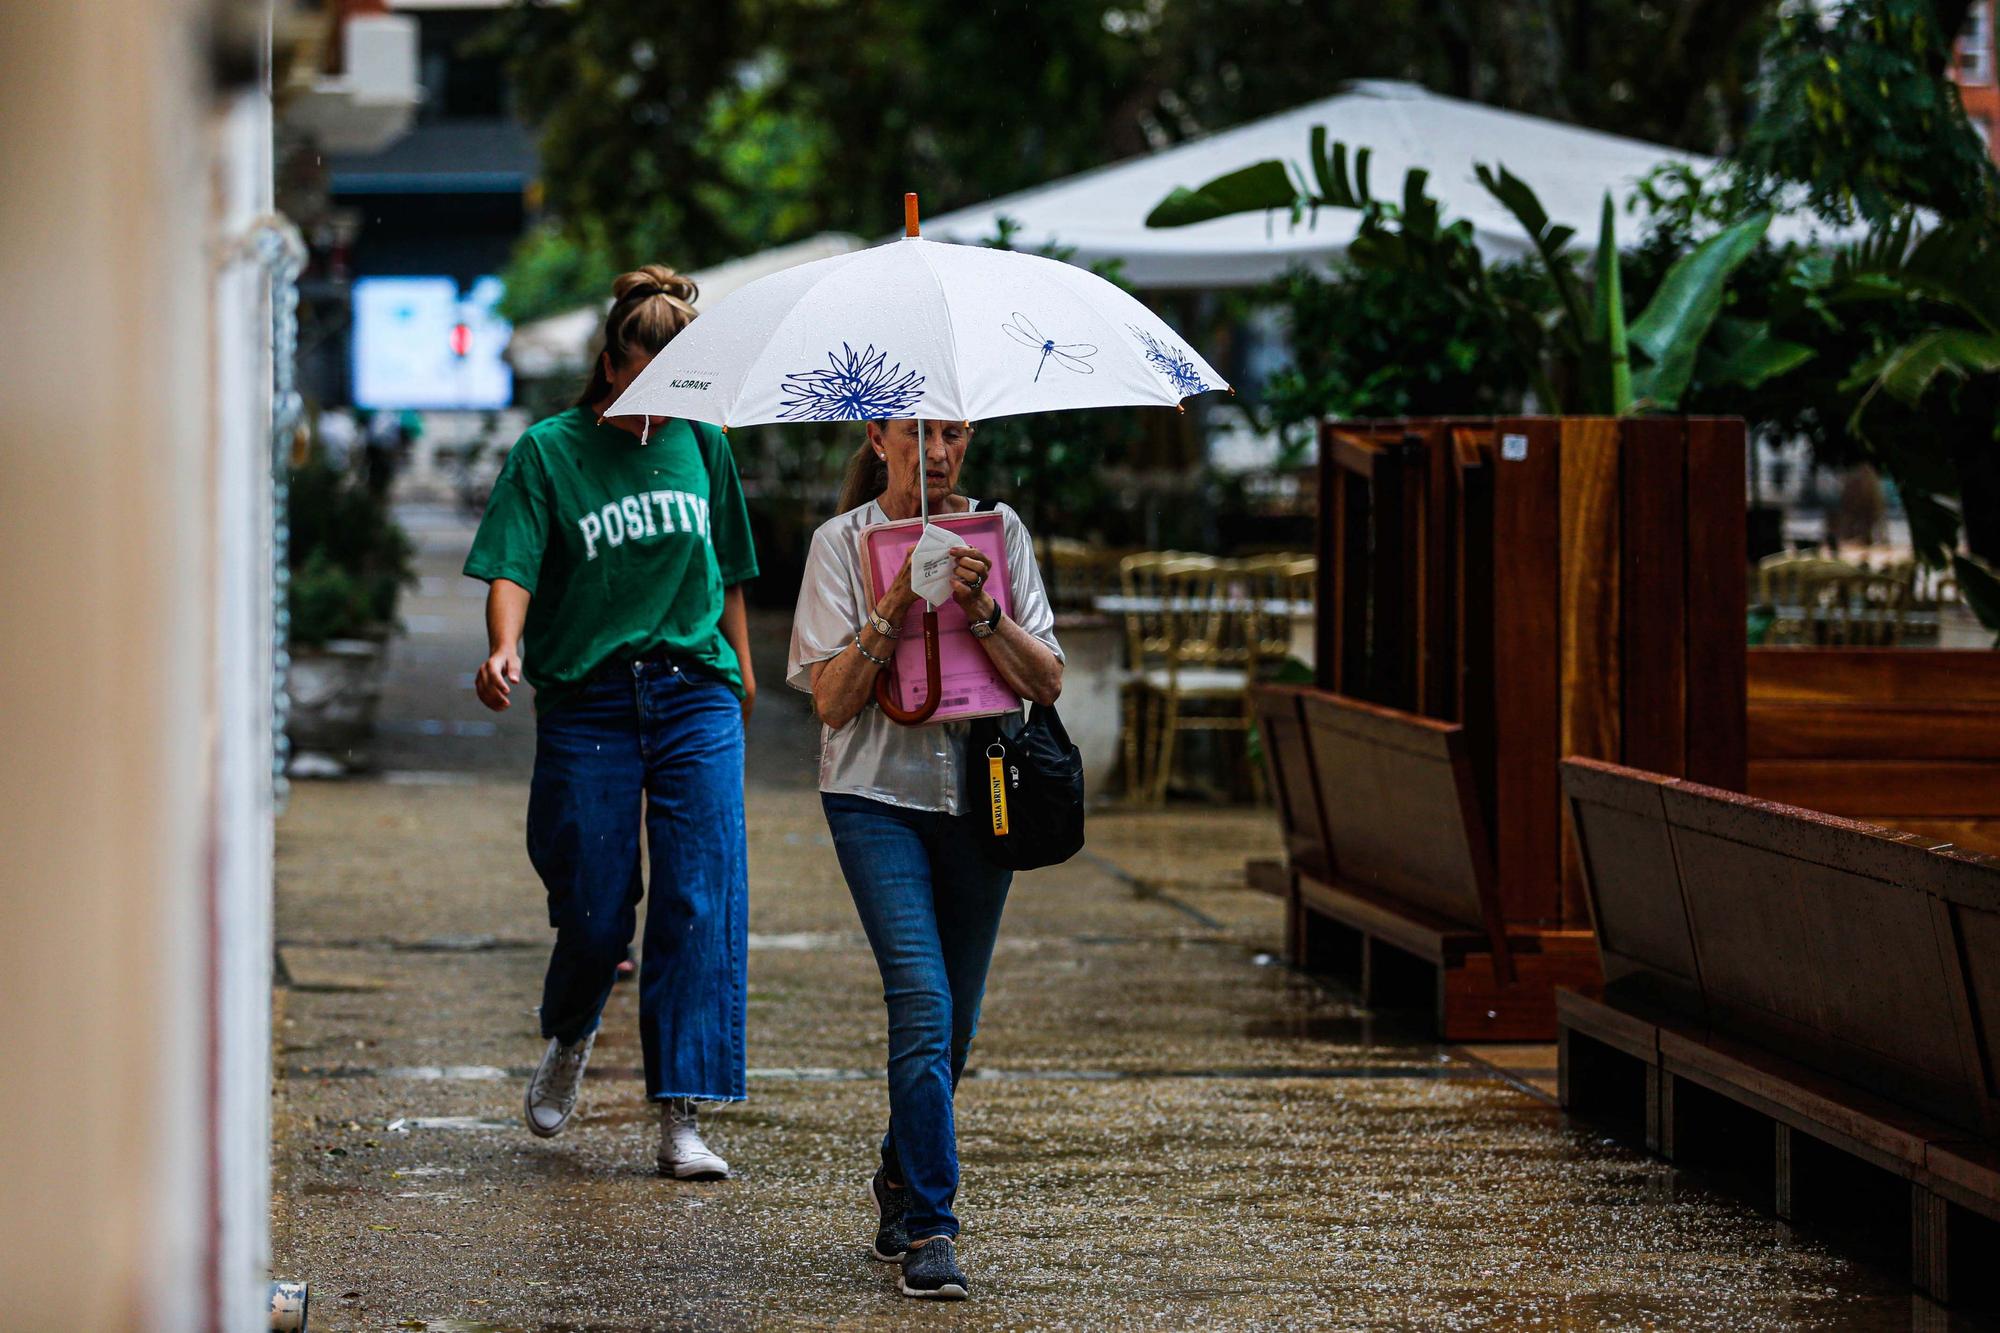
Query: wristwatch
{"x": 985, "y": 629}
{"x": 881, "y": 626}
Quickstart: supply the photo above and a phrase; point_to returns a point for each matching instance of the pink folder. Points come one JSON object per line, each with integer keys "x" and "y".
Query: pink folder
{"x": 966, "y": 679}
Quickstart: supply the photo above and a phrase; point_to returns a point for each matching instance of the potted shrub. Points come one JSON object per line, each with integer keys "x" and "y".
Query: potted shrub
{"x": 348, "y": 563}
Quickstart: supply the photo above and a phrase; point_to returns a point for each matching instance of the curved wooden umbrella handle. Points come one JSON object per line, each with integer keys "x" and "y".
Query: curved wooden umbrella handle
{"x": 886, "y": 696}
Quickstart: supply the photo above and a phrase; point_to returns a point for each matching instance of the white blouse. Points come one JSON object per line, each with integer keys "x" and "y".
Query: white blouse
{"x": 919, "y": 768}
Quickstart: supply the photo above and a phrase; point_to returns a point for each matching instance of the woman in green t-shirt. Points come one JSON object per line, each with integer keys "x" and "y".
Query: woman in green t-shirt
{"x": 616, "y": 556}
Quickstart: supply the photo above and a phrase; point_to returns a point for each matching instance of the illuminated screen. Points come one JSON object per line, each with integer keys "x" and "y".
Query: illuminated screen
{"x": 420, "y": 342}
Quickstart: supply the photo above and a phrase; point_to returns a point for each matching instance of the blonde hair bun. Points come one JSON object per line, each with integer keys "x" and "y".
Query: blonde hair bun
{"x": 654, "y": 280}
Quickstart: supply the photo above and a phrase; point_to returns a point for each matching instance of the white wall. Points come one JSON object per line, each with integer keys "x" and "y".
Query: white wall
{"x": 135, "y": 887}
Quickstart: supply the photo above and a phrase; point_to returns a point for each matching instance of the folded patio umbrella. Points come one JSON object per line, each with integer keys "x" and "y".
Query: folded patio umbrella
{"x": 924, "y": 330}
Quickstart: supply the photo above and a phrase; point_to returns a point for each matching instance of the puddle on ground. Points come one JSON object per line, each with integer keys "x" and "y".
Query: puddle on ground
{"x": 456, "y": 1122}
{"x": 808, "y": 940}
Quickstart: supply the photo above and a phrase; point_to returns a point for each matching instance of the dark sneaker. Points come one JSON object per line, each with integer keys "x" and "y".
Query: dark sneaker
{"x": 931, "y": 1270}
{"x": 892, "y": 1236}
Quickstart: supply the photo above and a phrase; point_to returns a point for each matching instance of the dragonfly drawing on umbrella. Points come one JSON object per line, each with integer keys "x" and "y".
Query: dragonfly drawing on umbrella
{"x": 1070, "y": 356}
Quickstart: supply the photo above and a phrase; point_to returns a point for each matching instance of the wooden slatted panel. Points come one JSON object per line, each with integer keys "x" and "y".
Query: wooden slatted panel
{"x": 1717, "y": 602}
{"x": 1814, "y": 936}
{"x": 1476, "y": 677}
{"x": 1860, "y": 730}
{"x": 1437, "y": 663}
{"x": 1527, "y": 525}
{"x": 1589, "y": 611}
{"x": 1909, "y": 737}
{"x": 1395, "y": 610}
{"x": 1945, "y": 788}
{"x": 1968, "y": 887}
{"x": 1289, "y": 769}
{"x": 1653, "y": 585}
{"x": 1327, "y": 548}
{"x": 1633, "y": 884}
{"x": 1875, "y": 675}
{"x": 1391, "y": 805}
{"x": 1356, "y": 565}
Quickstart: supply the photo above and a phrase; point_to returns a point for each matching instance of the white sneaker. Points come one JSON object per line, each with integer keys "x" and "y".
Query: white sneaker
{"x": 553, "y": 1089}
{"x": 683, "y": 1154}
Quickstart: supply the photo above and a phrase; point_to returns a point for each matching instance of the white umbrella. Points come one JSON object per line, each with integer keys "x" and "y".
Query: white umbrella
{"x": 918, "y": 329}
{"x": 923, "y": 330}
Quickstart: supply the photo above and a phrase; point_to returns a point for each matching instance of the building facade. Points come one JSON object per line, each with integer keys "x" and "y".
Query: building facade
{"x": 1972, "y": 68}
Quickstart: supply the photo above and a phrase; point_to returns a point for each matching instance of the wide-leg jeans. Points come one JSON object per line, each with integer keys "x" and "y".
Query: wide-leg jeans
{"x": 930, "y": 903}
{"x": 655, "y": 743}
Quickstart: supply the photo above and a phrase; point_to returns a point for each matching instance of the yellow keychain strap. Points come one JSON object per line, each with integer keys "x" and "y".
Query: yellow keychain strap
{"x": 996, "y": 785}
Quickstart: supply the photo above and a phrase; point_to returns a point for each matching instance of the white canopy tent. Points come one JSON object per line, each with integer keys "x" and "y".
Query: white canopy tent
{"x": 1101, "y": 214}
{"x": 560, "y": 344}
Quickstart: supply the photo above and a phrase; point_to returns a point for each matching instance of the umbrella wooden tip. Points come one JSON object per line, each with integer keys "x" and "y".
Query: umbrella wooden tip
{"x": 910, "y": 214}
{"x": 1181, "y": 408}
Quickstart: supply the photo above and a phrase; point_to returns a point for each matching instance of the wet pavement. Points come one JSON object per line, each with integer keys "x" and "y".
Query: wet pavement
{"x": 1162, "y": 1127}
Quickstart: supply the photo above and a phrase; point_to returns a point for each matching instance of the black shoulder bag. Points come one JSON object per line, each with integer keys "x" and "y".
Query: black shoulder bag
{"x": 1024, "y": 783}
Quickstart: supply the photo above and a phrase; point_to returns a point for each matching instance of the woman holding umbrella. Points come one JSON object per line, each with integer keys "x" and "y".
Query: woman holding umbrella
{"x": 929, "y": 899}
{"x": 616, "y": 554}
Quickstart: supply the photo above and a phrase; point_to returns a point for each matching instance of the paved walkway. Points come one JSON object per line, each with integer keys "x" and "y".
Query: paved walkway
{"x": 1162, "y": 1128}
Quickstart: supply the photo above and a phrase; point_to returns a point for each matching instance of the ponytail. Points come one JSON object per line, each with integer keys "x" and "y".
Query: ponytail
{"x": 649, "y": 306}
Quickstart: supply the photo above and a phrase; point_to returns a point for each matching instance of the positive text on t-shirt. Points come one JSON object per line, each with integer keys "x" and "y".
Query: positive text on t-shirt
{"x": 631, "y": 519}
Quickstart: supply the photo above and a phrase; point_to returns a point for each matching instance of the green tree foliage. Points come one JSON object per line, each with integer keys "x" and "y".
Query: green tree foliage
{"x": 1857, "y": 111}
{"x": 622, "y": 93}
{"x": 696, "y": 132}
{"x": 1928, "y": 405}
{"x": 1575, "y": 350}
{"x": 1368, "y": 342}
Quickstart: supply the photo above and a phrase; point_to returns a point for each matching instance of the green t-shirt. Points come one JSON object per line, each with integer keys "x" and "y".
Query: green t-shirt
{"x": 625, "y": 547}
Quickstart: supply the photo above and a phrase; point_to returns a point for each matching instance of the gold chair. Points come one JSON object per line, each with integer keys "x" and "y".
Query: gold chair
{"x": 1791, "y": 584}
{"x": 1278, "y": 588}
{"x": 1081, "y": 573}
{"x": 1862, "y": 611}
{"x": 1148, "y": 635}
{"x": 1203, "y": 683}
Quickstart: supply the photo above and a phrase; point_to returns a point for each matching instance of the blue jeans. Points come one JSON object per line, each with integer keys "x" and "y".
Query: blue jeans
{"x": 931, "y": 903}
{"x": 667, "y": 746}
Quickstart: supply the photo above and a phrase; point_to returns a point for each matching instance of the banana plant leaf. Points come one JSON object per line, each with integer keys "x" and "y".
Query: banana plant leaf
{"x": 1979, "y": 588}
{"x": 1550, "y": 241}
{"x": 1607, "y": 346}
{"x": 1907, "y": 372}
{"x": 1253, "y": 189}
{"x": 1671, "y": 328}
{"x": 1746, "y": 353}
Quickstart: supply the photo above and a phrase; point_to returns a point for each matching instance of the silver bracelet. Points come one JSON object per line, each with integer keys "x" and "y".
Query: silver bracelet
{"x": 878, "y": 661}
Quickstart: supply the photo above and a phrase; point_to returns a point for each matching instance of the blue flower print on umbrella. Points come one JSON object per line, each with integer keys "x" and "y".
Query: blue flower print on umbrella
{"x": 858, "y": 386}
{"x": 1070, "y": 356}
{"x": 1172, "y": 362}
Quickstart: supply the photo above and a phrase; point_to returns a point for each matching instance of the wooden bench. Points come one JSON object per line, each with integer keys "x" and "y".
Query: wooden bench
{"x": 1391, "y": 870}
{"x": 1288, "y": 776}
{"x": 1805, "y": 998}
